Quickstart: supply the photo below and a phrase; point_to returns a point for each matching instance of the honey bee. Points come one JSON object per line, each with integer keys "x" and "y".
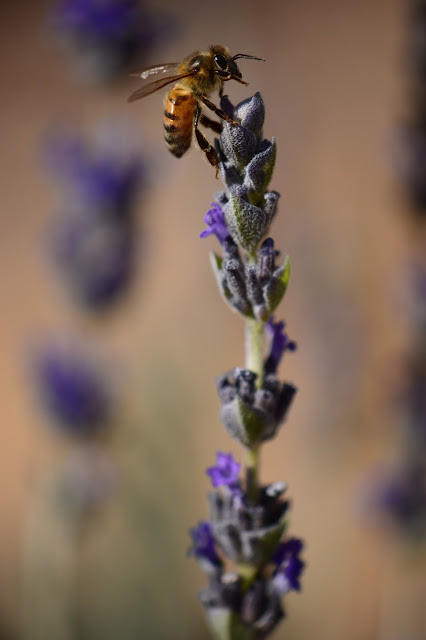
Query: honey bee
{"x": 195, "y": 78}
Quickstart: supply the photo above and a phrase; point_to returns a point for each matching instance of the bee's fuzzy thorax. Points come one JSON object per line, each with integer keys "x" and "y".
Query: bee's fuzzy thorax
{"x": 206, "y": 81}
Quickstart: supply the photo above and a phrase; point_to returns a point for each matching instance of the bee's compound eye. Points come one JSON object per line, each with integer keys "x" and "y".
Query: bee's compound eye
{"x": 221, "y": 61}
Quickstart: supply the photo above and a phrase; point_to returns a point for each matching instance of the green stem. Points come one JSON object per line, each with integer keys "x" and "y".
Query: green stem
{"x": 254, "y": 362}
{"x": 252, "y": 473}
{"x": 254, "y": 348}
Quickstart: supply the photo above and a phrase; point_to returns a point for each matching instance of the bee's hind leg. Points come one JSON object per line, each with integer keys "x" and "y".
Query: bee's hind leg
{"x": 204, "y": 144}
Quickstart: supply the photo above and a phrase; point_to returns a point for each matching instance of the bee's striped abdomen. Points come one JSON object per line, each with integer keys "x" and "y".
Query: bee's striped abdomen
{"x": 179, "y": 112}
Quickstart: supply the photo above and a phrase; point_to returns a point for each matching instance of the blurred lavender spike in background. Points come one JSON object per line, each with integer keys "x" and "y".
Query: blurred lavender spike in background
{"x": 98, "y": 172}
{"x": 90, "y": 476}
{"x": 399, "y": 492}
{"x": 72, "y": 389}
{"x": 105, "y": 37}
{"x": 410, "y": 147}
{"x": 401, "y": 498}
{"x": 410, "y": 160}
{"x": 96, "y": 258}
{"x": 397, "y": 497}
{"x": 93, "y": 237}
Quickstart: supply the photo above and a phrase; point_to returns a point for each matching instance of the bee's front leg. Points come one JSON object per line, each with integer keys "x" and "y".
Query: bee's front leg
{"x": 221, "y": 114}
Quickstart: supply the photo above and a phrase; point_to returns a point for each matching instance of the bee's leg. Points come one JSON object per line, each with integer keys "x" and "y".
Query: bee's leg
{"x": 221, "y": 114}
{"x": 211, "y": 124}
{"x": 204, "y": 144}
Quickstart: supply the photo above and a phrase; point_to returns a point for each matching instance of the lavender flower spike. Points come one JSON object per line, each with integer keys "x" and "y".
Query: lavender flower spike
{"x": 258, "y": 563}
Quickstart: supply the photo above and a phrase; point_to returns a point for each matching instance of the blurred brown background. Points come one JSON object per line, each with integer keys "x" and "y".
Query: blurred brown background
{"x": 334, "y": 87}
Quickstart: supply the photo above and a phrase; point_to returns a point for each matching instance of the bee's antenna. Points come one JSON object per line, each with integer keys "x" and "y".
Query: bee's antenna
{"x": 244, "y": 55}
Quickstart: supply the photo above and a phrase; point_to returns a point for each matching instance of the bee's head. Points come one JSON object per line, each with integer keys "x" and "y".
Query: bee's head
{"x": 225, "y": 66}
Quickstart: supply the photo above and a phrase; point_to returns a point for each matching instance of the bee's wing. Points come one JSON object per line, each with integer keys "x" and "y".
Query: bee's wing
{"x": 158, "y": 84}
{"x": 145, "y": 72}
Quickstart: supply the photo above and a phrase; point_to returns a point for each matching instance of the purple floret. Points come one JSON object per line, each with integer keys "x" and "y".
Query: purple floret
{"x": 216, "y": 224}
{"x": 204, "y": 544}
{"x": 289, "y": 566}
{"x": 225, "y": 472}
{"x": 280, "y": 342}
